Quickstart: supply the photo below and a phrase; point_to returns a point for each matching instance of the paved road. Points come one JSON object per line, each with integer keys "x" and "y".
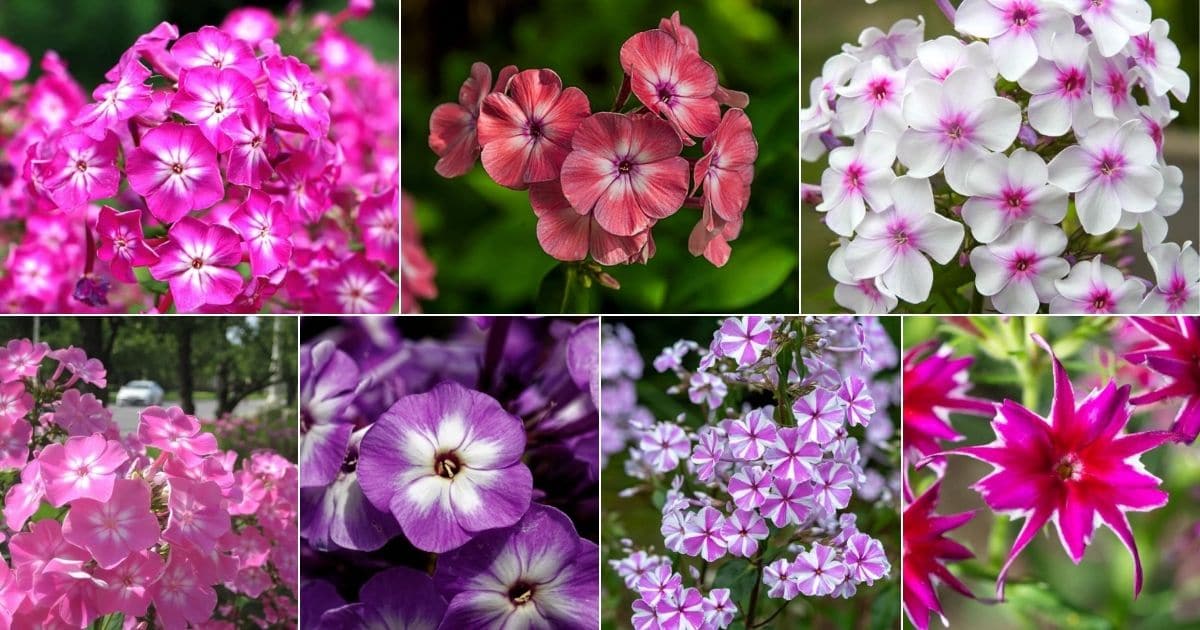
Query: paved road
{"x": 127, "y": 417}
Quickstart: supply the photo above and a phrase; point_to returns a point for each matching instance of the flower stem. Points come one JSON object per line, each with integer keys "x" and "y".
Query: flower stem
{"x": 947, "y": 9}
{"x": 773, "y": 615}
{"x": 622, "y": 94}
{"x": 750, "y": 608}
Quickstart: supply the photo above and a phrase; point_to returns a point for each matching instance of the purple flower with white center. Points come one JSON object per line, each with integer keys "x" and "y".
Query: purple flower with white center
{"x": 775, "y": 579}
{"x": 953, "y": 123}
{"x": 819, "y": 416}
{"x": 681, "y": 610}
{"x": 1112, "y": 87}
{"x": 743, "y": 338}
{"x": 1008, "y": 189}
{"x": 892, "y": 245}
{"x": 1096, "y": 288}
{"x": 398, "y": 597}
{"x": 710, "y": 447}
{"x": 702, "y": 534}
{"x": 865, "y": 559}
{"x": 719, "y": 609}
{"x": 1113, "y": 168}
{"x": 858, "y": 176}
{"x": 750, "y": 435}
{"x": 536, "y": 574}
{"x": 1157, "y": 58}
{"x": 872, "y": 101}
{"x": 742, "y": 531}
{"x": 447, "y": 464}
{"x": 831, "y": 486}
{"x": 338, "y": 515}
{"x": 857, "y": 400}
{"x": 898, "y": 45}
{"x": 1112, "y": 22}
{"x": 1018, "y": 270}
{"x": 707, "y": 388}
{"x": 1177, "y": 274}
{"x": 818, "y": 571}
{"x": 328, "y": 384}
{"x": 664, "y": 446}
{"x": 791, "y": 456}
{"x": 938, "y": 58}
{"x": 659, "y": 581}
{"x": 1059, "y": 85}
{"x": 789, "y": 504}
{"x": 749, "y": 486}
{"x": 1016, "y": 30}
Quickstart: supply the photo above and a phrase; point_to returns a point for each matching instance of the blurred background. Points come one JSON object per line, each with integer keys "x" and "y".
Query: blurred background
{"x": 90, "y": 35}
{"x": 482, "y": 236}
{"x": 637, "y": 517}
{"x": 237, "y": 374}
{"x": 827, "y": 24}
{"x": 1046, "y": 590}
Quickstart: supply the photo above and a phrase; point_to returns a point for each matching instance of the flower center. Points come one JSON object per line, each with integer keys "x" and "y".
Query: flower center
{"x": 447, "y": 465}
{"x": 1020, "y": 16}
{"x": 197, "y": 263}
{"x": 1072, "y": 81}
{"x": 256, "y": 141}
{"x": 219, "y": 107}
{"x": 535, "y": 130}
{"x": 177, "y": 168}
{"x": 1069, "y": 468}
{"x": 624, "y": 167}
{"x": 664, "y": 94}
{"x": 880, "y": 90}
{"x": 1022, "y": 265}
{"x": 81, "y": 166}
{"x": 521, "y": 593}
{"x": 901, "y": 237}
{"x": 1100, "y": 302}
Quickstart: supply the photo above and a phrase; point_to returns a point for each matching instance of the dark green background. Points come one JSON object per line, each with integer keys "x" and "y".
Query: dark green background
{"x": 482, "y": 236}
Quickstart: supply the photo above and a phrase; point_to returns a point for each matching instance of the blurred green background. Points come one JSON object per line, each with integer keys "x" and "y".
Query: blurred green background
{"x": 876, "y": 607}
{"x": 90, "y": 35}
{"x": 1045, "y": 589}
{"x": 482, "y": 236}
{"x": 827, "y": 24}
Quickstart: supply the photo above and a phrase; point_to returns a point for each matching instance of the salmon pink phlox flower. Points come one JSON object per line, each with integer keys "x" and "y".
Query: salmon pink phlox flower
{"x": 81, "y": 468}
{"x": 1077, "y": 468}
{"x": 452, "y": 126}
{"x": 727, "y": 167}
{"x": 566, "y": 234}
{"x": 672, "y": 80}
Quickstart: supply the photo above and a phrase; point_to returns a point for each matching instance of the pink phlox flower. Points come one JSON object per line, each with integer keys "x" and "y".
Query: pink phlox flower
{"x": 566, "y": 234}
{"x": 359, "y": 286}
{"x": 14, "y": 61}
{"x": 791, "y": 456}
{"x": 711, "y": 235}
{"x": 15, "y": 435}
{"x": 129, "y": 583}
{"x": 925, "y": 549}
{"x": 1005, "y": 190}
{"x": 173, "y": 431}
{"x": 1060, "y": 85}
{"x": 295, "y": 95}
{"x": 1018, "y": 270}
{"x": 209, "y": 96}
{"x": 743, "y": 338}
{"x": 198, "y": 262}
{"x": 749, "y": 486}
{"x": 214, "y": 48}
{"x": 175, "y": 169}
{"x": 80, "y": 414}
{"x": 1077, "y": 468}
{"x": 898, "y": 46}
{"x": 75, "y": 361}
{"x": 858, "y": 177}
{"x": 25, "y": 498}
{"x": 83, "y": 170}
{"x": 1094, "y": 287}
{"x": 1016, "y": 30}
{"x": 1112, "y": 87}
{"x": 197, "y": 513}
{"x": 872, "y": 101}
{"x": 742, "y": 531}
{"x": 935, "y": 385}
{"x": 180, "y": 597}
{"x": 674, "y": 81}
{"x": 751, "y": 434}
{"x": 112, "y": 530}
{"x": 1173, "y": 355}
{"x": 790, "y": 502}
{"x": 152, "y": 46}
{"x": 250, "y": 24}
{"x": 81, "y": 468}
{"x": 251, "y": 144}
{"x": 266, "y": 230}
{"x": 21, "y": 358}
{"x": 378, "y": 221}
{"x": 126, "y": 97}
{"x": 1177, "y": 280}
{"x": 452, "y": 126}
{"x": 15, "y": 401}
{"x": 121, "y": 242}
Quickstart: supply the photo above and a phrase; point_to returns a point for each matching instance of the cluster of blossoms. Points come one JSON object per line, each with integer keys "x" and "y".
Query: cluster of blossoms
{"x": 768, "y": 483}
{"x": 1026, "y": 150}
{"x": 157, "y": 526}
{"x": 212, "y": 172}
{"x": 480, "y": 449}
{"x": 599, "y": 182}
{"x": 1076, "y": 467}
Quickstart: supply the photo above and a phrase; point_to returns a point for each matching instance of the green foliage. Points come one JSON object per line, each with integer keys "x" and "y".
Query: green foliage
{"x": 482, "y": 237}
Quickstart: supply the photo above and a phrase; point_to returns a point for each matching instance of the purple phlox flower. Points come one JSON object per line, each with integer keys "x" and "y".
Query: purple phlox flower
{"x": 636, "y": 565}
{"x": 817, "y": 572}
{"x": 750, "y": 435}
{"x": 1177, "y": 280}
{"x": 865, "y": 559}
{"x": 537, "y": 573}
{"x": 775, "y": 579}
{"x": 831, "y": 486}
{"x": 657, "y": 582}
{"x": 857, "y": 401}
{"x": 1006, "y": 190}
{"x": 719, "y": 608}
{"x": 329, "y": 382}
{"x": 708, "y": 452}
{"x": 790, "y": 502}
{"x": 702, "y": 534}
{"x": 671, "y": 357}
{"x": 645, "y": 615}
{"x": 953, "y": 123}
{"x": 858, "y": 177}
{"x": 791, "y": 456}
{"x": 1113, "y": 168}
{"x": 673, "y": 528}
{"x": 338, "y": 514}
{"x": 706, "y": 388}
{"x": 743, "y": 338}
{"x": 682, "y": 609}
{"x": 1019, "y": 269}
{"x": 1094, "y": 287}
{"x": 742, "y": 531}
{"x": 749, "y": 486}
{"x": 892, "y": 245}
{"x": 819, "y": 416}
{"x": 664, "y": 446}
{"x": 447, "y": 464}
{"x": 398, "y": 597}
{"x": 1016, "y": 30}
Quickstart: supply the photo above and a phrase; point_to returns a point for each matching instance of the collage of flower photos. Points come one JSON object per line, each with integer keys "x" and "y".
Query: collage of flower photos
{"x": 598, "y": 315}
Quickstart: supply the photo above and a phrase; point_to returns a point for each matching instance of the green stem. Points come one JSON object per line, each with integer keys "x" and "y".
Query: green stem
{"x": 773, "y": 615}
{"x": 566, "y": 299}
{"x": 750, "y": 609}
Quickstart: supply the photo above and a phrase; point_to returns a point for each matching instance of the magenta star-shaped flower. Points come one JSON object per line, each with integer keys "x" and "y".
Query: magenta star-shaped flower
{"x": 1175, "y": 355}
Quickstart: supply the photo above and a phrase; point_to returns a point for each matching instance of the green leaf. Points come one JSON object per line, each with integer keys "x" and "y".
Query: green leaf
{"x": 115, "y": 621}
{"x": 1040, "y": 604}
{"x": 754, "y": 271}
{"x": 884, "y": 612}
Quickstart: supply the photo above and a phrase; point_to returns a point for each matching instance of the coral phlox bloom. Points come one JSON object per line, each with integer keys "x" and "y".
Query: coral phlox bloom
{"x": 112, "y": 530}
{"x": 1077, "y": 468}
{"x": 526, "y": 130}
{"x": 452, "y": 126}
{"x": 81, "y": 468}
{"x": 672, "y": 80}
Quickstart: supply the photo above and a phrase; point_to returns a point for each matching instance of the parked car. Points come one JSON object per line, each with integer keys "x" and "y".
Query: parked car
{"x": 140, "y": 393}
